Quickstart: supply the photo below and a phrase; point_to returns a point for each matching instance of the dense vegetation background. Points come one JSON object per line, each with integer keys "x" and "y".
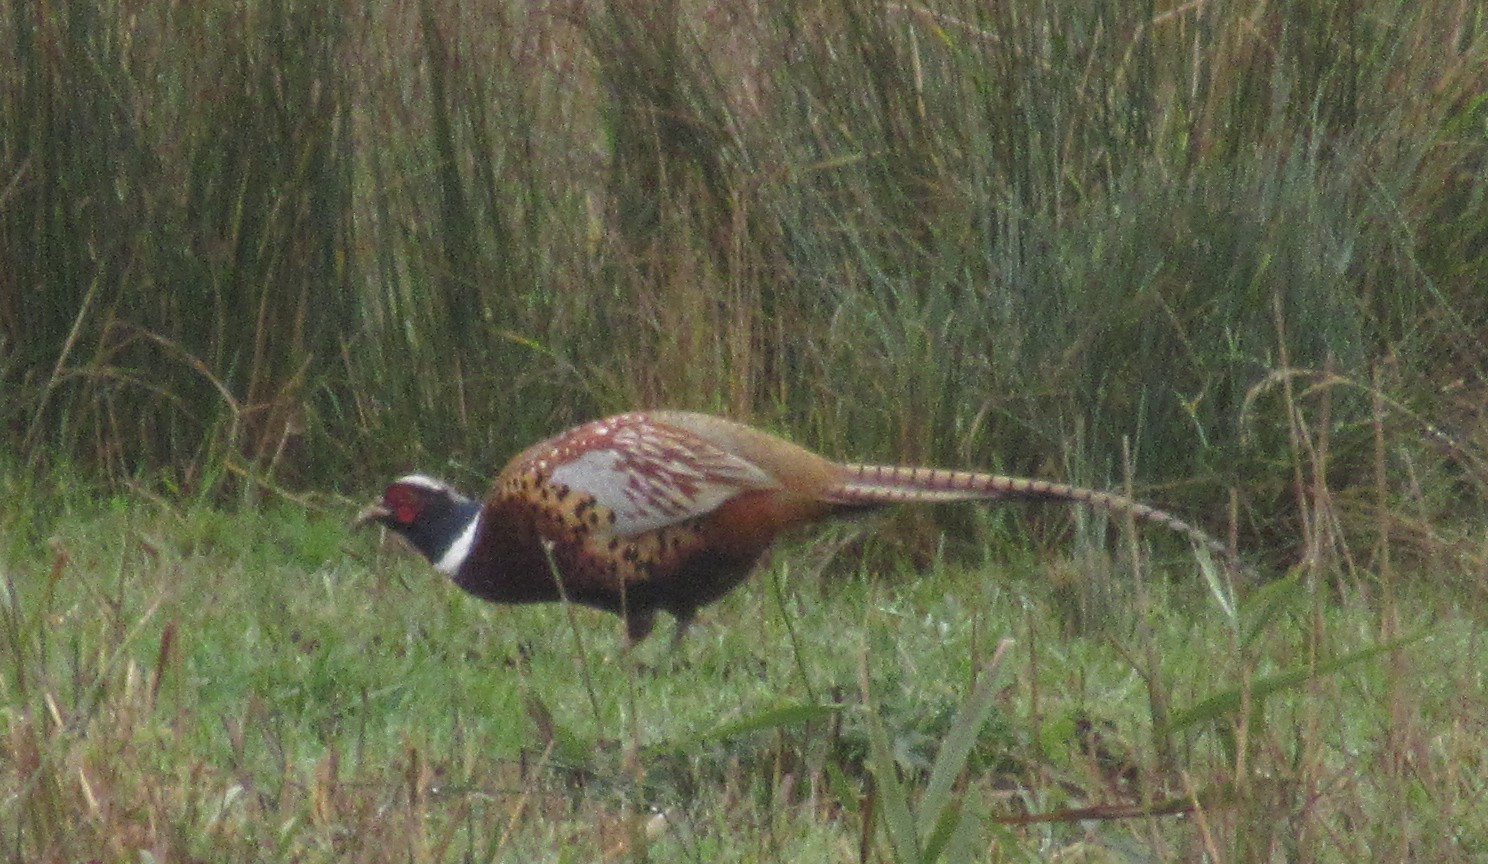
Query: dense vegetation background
{"x": 308, "y": 243}
{"x": 1233, "y": 253}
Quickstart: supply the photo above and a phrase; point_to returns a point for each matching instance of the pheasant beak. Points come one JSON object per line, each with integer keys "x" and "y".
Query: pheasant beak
{"x": 372, "y": 513}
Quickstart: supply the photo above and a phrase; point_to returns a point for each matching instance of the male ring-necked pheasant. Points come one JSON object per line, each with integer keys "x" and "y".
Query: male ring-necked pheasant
{"x": 667, "y": 510}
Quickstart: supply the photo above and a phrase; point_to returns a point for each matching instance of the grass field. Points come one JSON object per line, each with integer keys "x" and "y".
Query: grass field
{"x": 189, "y": 684}
{"x": 257, "y": 256}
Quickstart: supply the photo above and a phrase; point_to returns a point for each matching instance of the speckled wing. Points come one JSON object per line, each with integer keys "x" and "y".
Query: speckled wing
{"x": 649, "y": 475}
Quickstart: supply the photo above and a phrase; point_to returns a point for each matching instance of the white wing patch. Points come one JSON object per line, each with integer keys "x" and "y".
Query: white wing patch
{"x": 651, "y": 477}
{"x": 598, "y": 473}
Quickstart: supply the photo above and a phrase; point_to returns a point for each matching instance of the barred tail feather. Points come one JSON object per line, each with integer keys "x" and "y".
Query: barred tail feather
{"x": 869, "y": 485}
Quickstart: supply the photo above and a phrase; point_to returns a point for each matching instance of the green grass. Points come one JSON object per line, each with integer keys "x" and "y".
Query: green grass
{"x": 191, "y": 683}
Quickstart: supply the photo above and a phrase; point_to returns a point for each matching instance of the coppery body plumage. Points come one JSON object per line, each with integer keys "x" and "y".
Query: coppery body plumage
{"x": 667, "y": 510}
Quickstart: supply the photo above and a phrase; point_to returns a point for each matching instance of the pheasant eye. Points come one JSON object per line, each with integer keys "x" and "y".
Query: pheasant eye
{"x": 405, "y": 503}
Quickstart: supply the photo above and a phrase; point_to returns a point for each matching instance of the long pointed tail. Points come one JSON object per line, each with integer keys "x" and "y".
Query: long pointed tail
{"x": 868, "y": 485}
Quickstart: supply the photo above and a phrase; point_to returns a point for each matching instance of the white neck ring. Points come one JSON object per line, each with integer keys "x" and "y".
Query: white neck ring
{"x": 449, "y": 563}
